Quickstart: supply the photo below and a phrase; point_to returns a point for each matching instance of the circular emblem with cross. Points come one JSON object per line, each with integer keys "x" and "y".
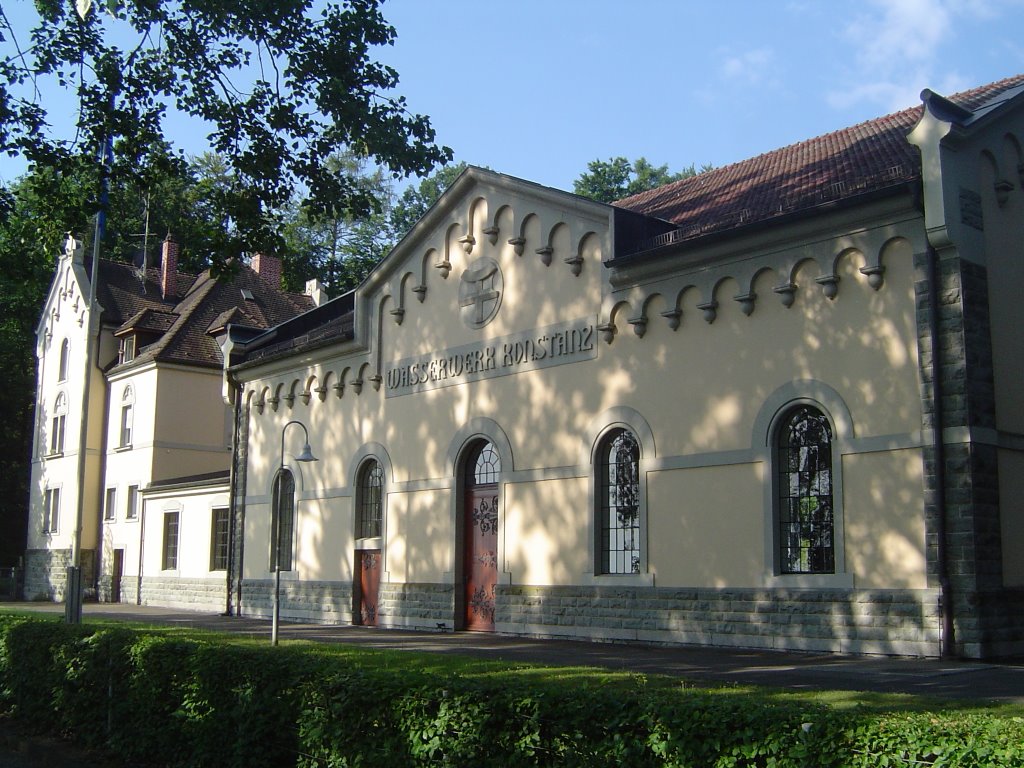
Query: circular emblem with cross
{"x": 480, "y": 292}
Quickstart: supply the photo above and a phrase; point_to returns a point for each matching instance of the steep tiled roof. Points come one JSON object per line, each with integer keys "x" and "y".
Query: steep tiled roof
{"x": 149, "y": 319}
{"x": 185, "y": 323}
{"x": 124, "y": 291}
{"x": 330, "y": 323}
{"x": 864, "y": 158}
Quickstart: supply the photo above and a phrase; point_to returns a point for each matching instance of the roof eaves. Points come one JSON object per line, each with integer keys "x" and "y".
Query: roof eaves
{"x": 675, "y": 240}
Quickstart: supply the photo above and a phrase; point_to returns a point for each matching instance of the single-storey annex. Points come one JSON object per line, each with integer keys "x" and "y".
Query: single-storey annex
{"x": 779, "y": 405}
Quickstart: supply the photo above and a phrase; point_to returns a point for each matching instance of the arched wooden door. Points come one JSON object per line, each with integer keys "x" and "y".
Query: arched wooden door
{"x": 480, "y": 537}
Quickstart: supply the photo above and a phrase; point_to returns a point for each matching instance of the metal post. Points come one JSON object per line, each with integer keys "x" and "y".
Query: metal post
{"x": 305, "y": 456}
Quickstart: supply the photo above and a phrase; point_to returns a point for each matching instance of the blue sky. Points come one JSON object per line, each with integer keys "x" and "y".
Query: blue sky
{"x": 538, "y": 88}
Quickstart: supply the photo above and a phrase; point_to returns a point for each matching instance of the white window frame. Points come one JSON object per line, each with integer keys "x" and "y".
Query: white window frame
{"x": 51, "y": 510}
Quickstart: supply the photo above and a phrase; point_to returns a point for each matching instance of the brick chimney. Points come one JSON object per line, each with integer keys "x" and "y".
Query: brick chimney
{"x": 169, "y": 267}
{"x": 269, "y": 268}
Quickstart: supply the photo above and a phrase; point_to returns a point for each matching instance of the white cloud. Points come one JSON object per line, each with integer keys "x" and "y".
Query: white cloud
{"x": 751, "y": 67}
{"x": 896, "y": 50}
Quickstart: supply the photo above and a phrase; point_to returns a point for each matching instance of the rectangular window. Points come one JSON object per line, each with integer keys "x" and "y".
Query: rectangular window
{"x": 219, "y": 540}
{"x": 126, "y": 426}
{"x": 127, "y": 350}
{"x": 109, "y": 510}
{"x": 133, "y": 502}
{"x": 51, "y": 510}
{"x": 57, "y": 434}
{"x": 170, "y": 541}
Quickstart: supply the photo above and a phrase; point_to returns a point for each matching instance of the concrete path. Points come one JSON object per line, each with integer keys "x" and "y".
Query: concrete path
{"x": 947, "y": 679}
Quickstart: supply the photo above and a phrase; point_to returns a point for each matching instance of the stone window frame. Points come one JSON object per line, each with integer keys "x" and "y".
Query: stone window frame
{"x": 776, "y": 408}
{"x": 598, "y": 432}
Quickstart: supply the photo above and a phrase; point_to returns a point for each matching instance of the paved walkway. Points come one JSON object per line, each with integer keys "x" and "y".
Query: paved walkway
{"x": 798, "y": 671}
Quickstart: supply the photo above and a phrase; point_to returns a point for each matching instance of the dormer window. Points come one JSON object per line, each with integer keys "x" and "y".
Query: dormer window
{"x": 126, "y": 353}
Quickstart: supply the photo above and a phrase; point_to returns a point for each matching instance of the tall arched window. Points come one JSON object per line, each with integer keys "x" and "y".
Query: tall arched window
{"x": 370, "y": 499}
{"x": 618, "y": 502}
{"x": 805, "y": 514}
{"x": 282, "y": 529}
{"x": 62, "y": 368}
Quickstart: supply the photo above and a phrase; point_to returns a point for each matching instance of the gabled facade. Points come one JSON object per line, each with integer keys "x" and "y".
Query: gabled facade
{"x": 150, "y": 404}
{"x": 779, "y": 405}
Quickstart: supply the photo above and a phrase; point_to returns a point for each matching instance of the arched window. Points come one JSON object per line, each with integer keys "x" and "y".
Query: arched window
{"x": 370, "y": 500}
{"x": 804, "y": 512}
{"x": 486, "y": 465}
{"x": 62, "y": 369}
{"x": 282, "y": 529}
{"x": 59, "y": 424}
{"x": 618, "y": 502}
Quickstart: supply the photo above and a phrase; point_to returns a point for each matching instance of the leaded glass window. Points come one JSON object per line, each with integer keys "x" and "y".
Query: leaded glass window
{"x": 283, "y": 523}
{"x": 371, "y": 499}
{"x": 619, "y": 502}
{"x": 806, "y": 521}
{"x": 487, "y": 466}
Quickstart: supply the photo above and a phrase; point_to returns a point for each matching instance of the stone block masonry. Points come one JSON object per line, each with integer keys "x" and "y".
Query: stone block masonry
{"x": 46, "y": 573}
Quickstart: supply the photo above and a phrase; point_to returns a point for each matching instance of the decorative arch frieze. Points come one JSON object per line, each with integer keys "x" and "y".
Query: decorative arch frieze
{"x": 518, "y": 242}
{"x": 307, "y": 390}
{"x": 357, "y": 382}
{"x": 493, "y": 229}
{"x": 325, "y": 385}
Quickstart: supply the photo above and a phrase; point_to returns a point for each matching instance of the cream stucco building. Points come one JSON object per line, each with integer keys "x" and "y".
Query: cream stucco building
{"x": 777, "y": 405}
{"x": 140, "y": 412}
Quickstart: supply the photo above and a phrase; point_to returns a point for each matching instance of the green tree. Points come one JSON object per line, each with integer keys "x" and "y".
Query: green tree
{"x": 609, "y": 180}
{"x": 280, "y": 85}
{"x": 415, "y": 201}
{"x": 338, "y": 249}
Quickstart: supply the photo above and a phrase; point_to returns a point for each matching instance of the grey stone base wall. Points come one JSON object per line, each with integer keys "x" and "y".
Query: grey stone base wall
{"x": 835, "y": 621}
{"x": 46, "y": 573}
{"x": 170, "y": 592}
{"x": 899, "y": 622}
{"x": 318, "y": 602}
{"x": 993, "y": 625}
{"x": 416, "y": 606}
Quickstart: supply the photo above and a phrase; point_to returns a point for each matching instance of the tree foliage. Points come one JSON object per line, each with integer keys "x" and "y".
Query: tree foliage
{"x": 415, "y": 201}
{"x": 609, "y": 180}
{"x": 280, "y": 84}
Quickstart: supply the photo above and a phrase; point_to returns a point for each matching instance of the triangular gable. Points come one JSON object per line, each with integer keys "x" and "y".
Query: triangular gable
{"x": 497, "y": 277}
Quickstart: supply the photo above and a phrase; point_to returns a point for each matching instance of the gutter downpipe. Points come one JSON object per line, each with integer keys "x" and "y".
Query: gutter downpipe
{"x": 232, "y": 606}
{"x": 947, "y": 645}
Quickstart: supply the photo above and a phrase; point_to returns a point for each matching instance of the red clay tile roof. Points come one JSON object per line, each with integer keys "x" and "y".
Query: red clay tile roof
{"x": 863, "y": 158}
{"x": 185, "y": 339}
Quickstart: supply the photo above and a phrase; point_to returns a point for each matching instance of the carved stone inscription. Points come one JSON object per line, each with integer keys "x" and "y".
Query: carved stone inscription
{"x": 540, "y": 348}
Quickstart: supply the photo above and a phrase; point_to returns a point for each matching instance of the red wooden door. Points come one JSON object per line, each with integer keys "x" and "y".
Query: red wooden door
{"x": 481, "y": 556}
{"x": 369, "y": 586}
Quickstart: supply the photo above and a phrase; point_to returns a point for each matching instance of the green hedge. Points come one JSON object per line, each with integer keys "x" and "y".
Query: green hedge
{"x": 168, "y": 701}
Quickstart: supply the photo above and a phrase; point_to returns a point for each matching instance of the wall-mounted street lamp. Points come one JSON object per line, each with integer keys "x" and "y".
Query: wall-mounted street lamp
{"x": 305, "y": 456}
